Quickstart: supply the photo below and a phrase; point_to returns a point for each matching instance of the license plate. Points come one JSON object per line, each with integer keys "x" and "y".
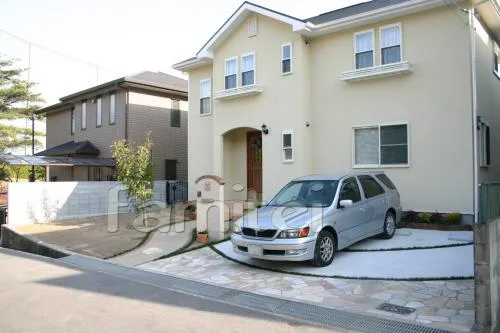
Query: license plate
{"x": 255, "y": 250}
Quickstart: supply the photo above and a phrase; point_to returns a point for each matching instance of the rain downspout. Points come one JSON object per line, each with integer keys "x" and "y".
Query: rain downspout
{"x": 474, "y": 114}
{"x": 126, "y": 114}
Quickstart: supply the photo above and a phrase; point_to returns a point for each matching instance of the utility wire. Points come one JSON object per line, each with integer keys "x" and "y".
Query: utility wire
{"x": 70, "y": 57}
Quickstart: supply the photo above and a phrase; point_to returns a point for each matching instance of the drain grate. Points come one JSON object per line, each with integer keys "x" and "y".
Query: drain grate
{"x": 299, "y": 312}
{"x": 402, "y": 310}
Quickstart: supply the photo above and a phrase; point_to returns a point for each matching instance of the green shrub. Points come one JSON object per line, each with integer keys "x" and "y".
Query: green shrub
{"x": 425, "y": 218}
{"x": 454, "y": 218}
{"x": 409, "y": 216}
{"x": 436, "y": 217}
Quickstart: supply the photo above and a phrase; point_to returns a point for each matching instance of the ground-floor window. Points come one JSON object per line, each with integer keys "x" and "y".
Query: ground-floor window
{"x": 288, "y": 146}
{"x": 381, "y": 145}
{"x": 484, "y": 145}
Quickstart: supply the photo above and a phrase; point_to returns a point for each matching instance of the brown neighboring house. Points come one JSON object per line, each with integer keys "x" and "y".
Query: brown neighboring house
{"x": 86, "y": 123}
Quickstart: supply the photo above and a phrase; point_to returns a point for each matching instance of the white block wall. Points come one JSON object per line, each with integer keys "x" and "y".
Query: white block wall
{"x": 42, "y": 202}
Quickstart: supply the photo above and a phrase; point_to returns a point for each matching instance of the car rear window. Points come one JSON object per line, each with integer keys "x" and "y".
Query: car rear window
{"x": 386, "y": 181}
{"x": 370, "y": 186}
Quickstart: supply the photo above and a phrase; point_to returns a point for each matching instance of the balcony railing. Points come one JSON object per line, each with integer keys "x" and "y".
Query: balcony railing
{"x": 398, "y": 68}
{"x": 248, "y": 90}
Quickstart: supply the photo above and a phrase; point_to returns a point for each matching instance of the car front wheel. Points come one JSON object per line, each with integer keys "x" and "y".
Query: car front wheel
{"x": 325, "y": 248}
{"x": 389, "y": 226}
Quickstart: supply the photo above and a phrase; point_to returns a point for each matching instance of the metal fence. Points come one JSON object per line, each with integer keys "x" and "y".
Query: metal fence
{"x": 489, "y": 201}
{"x": 176, "y": 191}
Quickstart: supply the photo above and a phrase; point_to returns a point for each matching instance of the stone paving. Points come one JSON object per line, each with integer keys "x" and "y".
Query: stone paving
{"x": 440, "y": 304}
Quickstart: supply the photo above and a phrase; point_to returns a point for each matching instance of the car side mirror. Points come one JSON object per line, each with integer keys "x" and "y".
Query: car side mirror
{"x": 345, "y": 203}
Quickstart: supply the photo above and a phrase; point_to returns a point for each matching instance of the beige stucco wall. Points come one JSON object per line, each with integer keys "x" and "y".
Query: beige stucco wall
{"x": 284, "y": 104}
{"x": 488, "y": 101}
{"x": 200, "y": 132}
{"x": 434, "y": 100}
{"x": 235, "y": 165}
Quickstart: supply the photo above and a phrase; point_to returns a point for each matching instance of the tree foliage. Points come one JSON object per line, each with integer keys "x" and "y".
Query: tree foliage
{"x": 4, "y": 173}
{"x": 17, "y": 100}
{"x": 134, "y": 170}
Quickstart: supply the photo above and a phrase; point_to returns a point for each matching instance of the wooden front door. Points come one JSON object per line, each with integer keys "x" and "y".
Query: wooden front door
{"x": 254, "y": 165}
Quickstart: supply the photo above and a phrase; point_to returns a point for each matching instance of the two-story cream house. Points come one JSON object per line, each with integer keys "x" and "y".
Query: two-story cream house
{"x": 411, "y": 87}
{"x": 85, "y": 124}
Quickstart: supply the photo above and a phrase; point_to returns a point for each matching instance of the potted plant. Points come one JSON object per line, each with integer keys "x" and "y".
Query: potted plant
{"x": 202, "y": 237}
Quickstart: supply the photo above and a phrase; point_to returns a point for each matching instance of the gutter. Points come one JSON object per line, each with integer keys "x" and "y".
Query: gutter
{"x": 474, "y": 114}
{"x": 369, "y": 17}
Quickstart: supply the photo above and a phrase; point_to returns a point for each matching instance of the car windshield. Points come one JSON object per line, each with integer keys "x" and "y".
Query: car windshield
{"x": 306, "y": 193}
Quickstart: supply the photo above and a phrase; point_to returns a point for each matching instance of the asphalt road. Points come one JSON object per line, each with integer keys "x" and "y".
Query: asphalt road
{"x": 43, "y": 295}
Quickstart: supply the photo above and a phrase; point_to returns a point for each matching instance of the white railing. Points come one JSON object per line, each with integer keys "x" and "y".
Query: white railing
{"x": 248, "y": 90}
{"x": 399, "y": 68}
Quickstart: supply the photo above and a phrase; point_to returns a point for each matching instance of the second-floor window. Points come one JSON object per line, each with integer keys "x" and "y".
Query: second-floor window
{"x": 175, "y": 115}
{"x": 205, "y": 96}
{"x": 112, "y": 108}
{"x": 231, "y": 76}
{"x": 247, "y": 69}
{"x": 72, "y": 121}
{"x": 390, "y": 44}
{"x": 84, "y": 115}
{"x": 286, "y": 58}
{"x": 99, "y": 112}
{"x": 364, "y": 49}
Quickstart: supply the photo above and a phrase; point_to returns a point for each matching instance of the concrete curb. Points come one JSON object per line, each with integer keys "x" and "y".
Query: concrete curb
{"x": 16, "y": 241}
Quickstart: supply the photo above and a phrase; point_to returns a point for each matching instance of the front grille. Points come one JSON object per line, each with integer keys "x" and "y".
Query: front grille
{"x": 264, "y": 233}
{"x": 274, "y": 252}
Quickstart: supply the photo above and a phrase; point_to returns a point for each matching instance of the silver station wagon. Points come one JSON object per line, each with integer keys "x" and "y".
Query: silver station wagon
{"x": 312, "y": 217}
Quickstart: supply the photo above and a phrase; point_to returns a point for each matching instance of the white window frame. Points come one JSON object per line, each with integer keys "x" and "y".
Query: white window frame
{"x": 401, "y": 59}
{"x": 209, "y": 97}
{"x": 283, "y": 59}
{"x": 483, "y": 160}
{"x": 72, "y": 125}
{"x": 84, "y": 116}
{"x": 98, "y": 112}
{"x": 373, "y": 43}
{"x": 112, "y": 108}
{"x": 225, "y": 73}
{"x": 496, "y": 52}
{"x": 283, "y": 133}
{"x": 379, "y": 165}
{"x": 254, "y": 68}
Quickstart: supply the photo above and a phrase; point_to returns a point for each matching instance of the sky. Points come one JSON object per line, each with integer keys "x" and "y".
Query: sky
{"x": 119, "y": 37}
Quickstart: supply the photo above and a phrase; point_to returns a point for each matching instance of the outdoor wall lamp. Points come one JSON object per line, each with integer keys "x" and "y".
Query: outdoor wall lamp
{"x": 264, "y": 128}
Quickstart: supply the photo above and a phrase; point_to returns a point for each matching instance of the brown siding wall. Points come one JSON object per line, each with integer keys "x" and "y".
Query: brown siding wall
{"x": 168, "y": 142}
{"x": 58, "y": 128}
{"x": 102, "y": 137}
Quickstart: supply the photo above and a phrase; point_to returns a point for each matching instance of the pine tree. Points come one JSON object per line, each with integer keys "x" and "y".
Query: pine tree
{"x": 17, "y": 100}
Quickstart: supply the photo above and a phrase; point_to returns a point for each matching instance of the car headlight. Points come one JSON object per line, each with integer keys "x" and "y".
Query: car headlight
{"x": 295, "y": 233}
{"x": 236, "y": 228}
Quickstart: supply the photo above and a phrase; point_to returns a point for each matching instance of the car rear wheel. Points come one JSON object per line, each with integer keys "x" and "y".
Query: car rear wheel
{"x": 325, "y": 248}
{"x": 389, "y": 226}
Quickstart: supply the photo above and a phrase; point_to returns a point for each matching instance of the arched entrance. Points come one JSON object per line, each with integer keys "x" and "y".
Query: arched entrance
{"x": 242, "y": 164}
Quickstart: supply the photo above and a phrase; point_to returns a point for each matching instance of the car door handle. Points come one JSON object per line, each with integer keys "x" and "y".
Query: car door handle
{"x": 363, "y": 209}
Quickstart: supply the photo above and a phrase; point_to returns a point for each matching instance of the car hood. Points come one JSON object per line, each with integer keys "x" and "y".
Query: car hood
{"x": 278, "y": 217}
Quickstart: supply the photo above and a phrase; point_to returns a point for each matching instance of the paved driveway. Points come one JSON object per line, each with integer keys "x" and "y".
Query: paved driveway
{"x": 441, "y": 304}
